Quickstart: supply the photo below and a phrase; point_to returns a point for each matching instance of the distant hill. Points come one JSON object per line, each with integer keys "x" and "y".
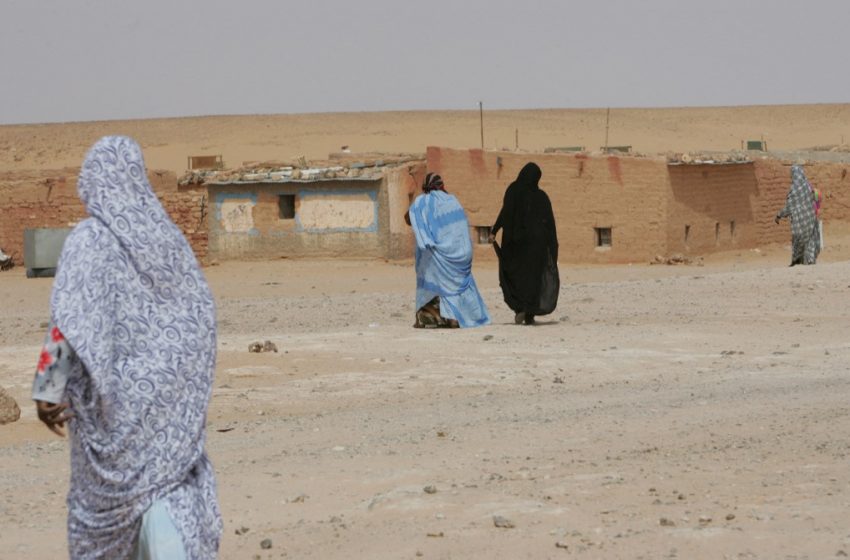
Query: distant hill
{"x": 168, "y": 142}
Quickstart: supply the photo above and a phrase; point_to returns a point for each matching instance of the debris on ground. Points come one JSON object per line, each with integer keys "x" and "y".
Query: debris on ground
{"x": 6, "y": 261}
{"x": 267, "y": 346}
{"x": 676, "y": 258}
{"x": 503, "y": 522}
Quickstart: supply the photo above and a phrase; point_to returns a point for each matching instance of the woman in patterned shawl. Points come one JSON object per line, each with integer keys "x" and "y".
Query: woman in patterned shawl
{"x": 128, "y": 363}
{"x": 800, "y": 205}
{"x": 446, "y": 293}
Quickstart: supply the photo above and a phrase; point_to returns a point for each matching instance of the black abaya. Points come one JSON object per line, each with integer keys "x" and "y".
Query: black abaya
{"x": 528, "y": 256}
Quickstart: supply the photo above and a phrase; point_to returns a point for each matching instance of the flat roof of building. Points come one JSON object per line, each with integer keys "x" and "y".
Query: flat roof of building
{"x": 341, "y": 166}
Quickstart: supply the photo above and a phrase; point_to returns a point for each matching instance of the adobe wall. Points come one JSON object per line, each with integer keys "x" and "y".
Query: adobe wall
{"x": 647, "y": 203}
{"x": 833, "y": 179}
{"x": 34, "y": 199}
{"x": 402, "y": 184}
{"x": 711, "y": 208}
{"x": 628, "y": 195}
{"x": 48, "y": 198}
{"x": 704, "y": 196}
{"x": 188, "y": 208}
{"x": 774, "y": 178}
{"x": 332, "y": 218}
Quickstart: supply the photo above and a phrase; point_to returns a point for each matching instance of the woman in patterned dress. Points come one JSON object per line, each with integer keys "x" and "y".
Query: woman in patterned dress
{"x": 801, "y": 204}
{"x": 128, "y": 364}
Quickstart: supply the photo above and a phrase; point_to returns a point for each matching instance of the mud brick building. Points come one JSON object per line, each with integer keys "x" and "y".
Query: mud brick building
{"x": 610, "y": 208}
{"x": 346, "y": 207}
{"x": 619, "y": 208}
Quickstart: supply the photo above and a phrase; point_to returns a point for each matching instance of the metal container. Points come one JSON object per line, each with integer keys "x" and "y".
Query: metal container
{"x": 42, "y": 247}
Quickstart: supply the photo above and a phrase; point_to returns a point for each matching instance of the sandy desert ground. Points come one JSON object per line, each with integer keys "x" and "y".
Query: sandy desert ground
{"x": 167, "y": 142}
{"x": 661, "y": 412}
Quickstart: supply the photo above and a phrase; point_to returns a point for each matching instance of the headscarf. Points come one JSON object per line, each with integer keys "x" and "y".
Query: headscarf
{"x": 529, "y": 176}
{"x": 132, "y": 302}
{"x": 433, "y": 182}
{"x": 518, "y": 208}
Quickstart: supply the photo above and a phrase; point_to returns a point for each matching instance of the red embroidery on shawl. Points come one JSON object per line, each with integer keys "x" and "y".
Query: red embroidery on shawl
{"x": 44, "y": 360}
{"x": 56, "y": 335}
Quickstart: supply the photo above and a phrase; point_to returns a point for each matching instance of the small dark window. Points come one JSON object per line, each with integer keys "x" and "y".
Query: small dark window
{"x": 603, "y": 236}
{"x": 732, "y": 229}
{"x": 687, "y": 232}
{"x": 286, "y": 206}
{"x": 483, "y": 233}
{"x": 716, "y": 232}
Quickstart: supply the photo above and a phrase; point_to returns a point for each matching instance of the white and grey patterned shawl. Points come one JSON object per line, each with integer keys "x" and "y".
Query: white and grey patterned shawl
{"x": 132, "y": 301}
{"x": 799, "y": 204}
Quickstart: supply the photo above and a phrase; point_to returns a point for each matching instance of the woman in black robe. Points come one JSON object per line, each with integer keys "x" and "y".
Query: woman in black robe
{"x": 528, "y": 256}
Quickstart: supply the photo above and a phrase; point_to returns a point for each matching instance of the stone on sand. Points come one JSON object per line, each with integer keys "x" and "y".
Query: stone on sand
{"x": 9, "y": 410}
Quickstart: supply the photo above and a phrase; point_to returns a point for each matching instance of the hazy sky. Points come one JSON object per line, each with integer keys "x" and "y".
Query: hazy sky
{"x": 67, "y": 60}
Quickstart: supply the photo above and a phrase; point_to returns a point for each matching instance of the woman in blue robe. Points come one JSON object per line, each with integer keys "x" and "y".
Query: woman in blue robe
{"x": 446, "y": 293}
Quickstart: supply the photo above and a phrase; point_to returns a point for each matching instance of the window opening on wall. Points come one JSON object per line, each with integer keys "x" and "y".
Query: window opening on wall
{"x": 732, "y": 229}
{"x": 687, "y": 232}
{"x": 286, "y": 206}
{"x": 716, "y": 232}
{"x": 603, "y": 236}
{"x": 483, "y": 233}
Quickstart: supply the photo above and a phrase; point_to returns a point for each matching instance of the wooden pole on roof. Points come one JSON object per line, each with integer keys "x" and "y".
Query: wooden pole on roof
{"x": 481, "y": 119}
{"x": 607, "y": 120}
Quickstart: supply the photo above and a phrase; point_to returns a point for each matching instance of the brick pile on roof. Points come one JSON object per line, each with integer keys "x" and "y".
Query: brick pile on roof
{"x": 834, "y": 148}
{"x": 338, "y": 166}
{"x": 708, "y": 158}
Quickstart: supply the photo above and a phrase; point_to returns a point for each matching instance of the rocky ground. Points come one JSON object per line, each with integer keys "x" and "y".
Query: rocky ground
{"x": 660, "y": 412}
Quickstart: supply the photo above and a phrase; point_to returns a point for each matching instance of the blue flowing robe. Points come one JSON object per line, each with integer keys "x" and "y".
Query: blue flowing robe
{"x": 444, "y": 259}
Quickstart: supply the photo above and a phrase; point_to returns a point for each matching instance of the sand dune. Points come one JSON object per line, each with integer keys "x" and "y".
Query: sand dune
{"x": 167, "y": 142}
